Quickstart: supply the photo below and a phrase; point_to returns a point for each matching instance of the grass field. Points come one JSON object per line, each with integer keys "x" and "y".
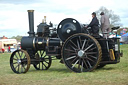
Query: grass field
{"x": 58, "y": 74}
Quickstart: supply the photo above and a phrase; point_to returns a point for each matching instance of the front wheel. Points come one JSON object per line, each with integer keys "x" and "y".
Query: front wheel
{"x": 44, "y": 61}
{"x": 20, "y": 61}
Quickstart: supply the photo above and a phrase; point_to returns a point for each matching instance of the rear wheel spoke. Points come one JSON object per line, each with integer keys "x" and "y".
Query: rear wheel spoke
{"x": 69, "y": 50}
{"x": 83, "y": 44}
{"x": 75, "y": 63}
{"x": 73, "y": 44}
{"x": 92, "y": 56}
{"x": 82, "y": 67}
{"x": 80, "y": 41}
{"x": 91, "y": 53}
{"x": 85, "y": 63}
{"x": 88, "y": 47}
{"x": 78, "y": 44}
{"x": 89, "y": 64}
{"x": 90, "y": 59}
{"x": 79, "y": 63}
{"x": 74, "y": 60}
{"x": 92, "y": 49}
{"x": 71, "y": 57}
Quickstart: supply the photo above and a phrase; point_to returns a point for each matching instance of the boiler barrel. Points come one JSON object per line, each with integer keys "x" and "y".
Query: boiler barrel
{"x": 39, "y": 43}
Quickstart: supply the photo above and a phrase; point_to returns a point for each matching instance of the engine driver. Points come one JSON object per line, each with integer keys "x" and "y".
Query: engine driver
{"x": 94, "y": 24}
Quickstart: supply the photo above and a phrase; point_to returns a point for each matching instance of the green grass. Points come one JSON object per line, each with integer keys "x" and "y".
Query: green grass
{"x": 58, "y": 74}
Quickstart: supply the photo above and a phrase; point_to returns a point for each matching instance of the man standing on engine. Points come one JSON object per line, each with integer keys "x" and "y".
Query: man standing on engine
{"x": 94, "y": 24}
{"x": 105, "y": 25}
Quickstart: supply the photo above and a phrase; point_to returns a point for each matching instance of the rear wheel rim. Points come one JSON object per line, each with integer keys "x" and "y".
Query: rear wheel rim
{"x": 81, "y": 53}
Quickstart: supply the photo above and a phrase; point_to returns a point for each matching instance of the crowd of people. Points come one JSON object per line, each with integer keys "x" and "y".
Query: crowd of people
{"x": 3, "y": 50}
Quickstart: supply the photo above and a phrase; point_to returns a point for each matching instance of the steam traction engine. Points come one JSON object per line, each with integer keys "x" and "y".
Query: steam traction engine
{"x": 77, "y": 47}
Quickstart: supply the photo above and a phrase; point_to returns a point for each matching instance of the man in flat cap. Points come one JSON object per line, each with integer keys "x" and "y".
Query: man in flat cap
{"x": 94, "y": 24}
{"x": 105, "y": 25}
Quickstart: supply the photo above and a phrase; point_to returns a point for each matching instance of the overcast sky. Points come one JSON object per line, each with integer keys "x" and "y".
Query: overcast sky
{"x": 14, "y": 16}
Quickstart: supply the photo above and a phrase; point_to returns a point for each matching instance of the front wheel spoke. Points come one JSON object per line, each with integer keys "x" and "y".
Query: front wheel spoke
{"x": 71, "y": 57}
{"x": 75, "y": 63}
{"x": 39, "y": 65}
{"x": 16, "y": 57}
{"x": 42, "y": 54}
{"x": 18, "y": 67}
{"x": 19, "y": 54}
{"x": 44, "y": 65}
{"x": 24, "y": 56}
{"x": 21, "y": 68}
{"x": 88, "y": 47}
{"x": 46, "y": 61}
{"x": 15, "y": 63}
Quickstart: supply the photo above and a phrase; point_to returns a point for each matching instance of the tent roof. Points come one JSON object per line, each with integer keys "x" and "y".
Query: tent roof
{"x": 125, "y": 35}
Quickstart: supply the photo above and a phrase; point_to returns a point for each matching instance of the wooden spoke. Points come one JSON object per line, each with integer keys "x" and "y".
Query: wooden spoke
{"x": 73, "y": 43}
{"x": 83, "y": 44}
{"x": 88, "y": 47}
{"x": 80, "y": 41}
{"x": 75, "y": 63}
{"x": 91, "y": 53}
{"x": 78, "y": 44}
{"x": 71, "y": 57}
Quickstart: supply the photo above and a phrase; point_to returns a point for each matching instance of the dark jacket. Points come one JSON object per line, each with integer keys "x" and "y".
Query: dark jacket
{"x": 94, "y": 25}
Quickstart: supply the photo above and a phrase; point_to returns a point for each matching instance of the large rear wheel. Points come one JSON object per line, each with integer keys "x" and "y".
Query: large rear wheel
{"x": 81, "y": 53}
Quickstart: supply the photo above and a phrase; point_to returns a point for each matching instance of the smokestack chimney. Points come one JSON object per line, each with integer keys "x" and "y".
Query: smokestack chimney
{"x": 31, "y": 23}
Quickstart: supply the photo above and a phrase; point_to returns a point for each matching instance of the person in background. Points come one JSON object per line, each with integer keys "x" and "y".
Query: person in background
{"x": 105, "y": 24}
{"x": 3, "y": 50}
{"x": 9, "y": 49}
{"x": 94, "y": 24}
